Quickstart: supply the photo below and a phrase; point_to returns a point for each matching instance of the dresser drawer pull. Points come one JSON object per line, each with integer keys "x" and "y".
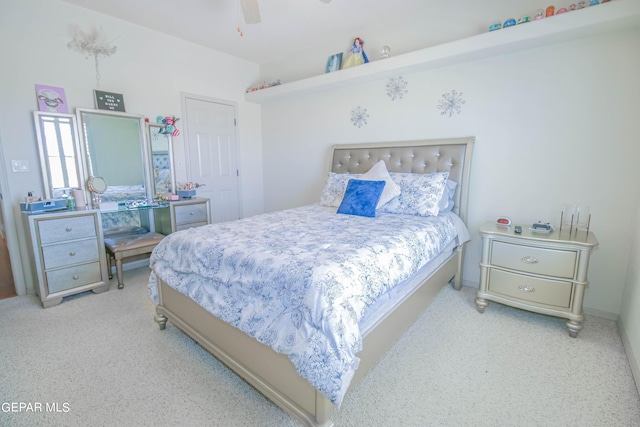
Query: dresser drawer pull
{"x": 68, "y": 229}
{"x": 76, "y": 277}
{"x": 527, "y": 289}
{"x": 192, "y": 213}
{"x": 72, "y": 254}
{"x": 529, "y": 259}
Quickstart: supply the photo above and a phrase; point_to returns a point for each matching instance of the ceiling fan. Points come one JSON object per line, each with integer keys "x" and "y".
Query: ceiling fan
{"x": 251, "y": 11}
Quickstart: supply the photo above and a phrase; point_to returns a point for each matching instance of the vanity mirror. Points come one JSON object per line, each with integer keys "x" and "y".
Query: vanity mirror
{"x": 60, "y": 153}
{"x": 115, "y": 148}
{"x": 163, "y": 170}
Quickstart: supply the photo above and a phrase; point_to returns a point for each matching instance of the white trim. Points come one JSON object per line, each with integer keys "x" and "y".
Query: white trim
{"x": 10, "y": 227}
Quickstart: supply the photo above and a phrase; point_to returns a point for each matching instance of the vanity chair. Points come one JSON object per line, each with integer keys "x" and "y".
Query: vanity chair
{"x": 126, "y": 244}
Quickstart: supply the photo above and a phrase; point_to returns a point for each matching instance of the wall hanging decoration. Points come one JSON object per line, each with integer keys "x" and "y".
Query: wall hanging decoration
{"x": 396, "y": 88}
{"x": 108, "y": 100}
{"x": 91, "y": 43}
{"x": 359, "y": 116}
{"x": 51, "y": 99}
{"x": 450, "y": 103}
{"x": 170, "y": 128}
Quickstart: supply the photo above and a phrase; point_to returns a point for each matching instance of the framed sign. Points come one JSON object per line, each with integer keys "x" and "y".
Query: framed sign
{"x": 108, "y": 100}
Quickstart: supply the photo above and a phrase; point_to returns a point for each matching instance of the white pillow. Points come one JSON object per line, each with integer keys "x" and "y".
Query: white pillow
{"x": 378, "y": 172}
{"x": 420, "y": 194}
{"x": 447, "y": 201}
{"x": 333, "y": 190}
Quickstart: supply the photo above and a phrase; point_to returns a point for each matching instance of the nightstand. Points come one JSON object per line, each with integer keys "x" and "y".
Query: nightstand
{"x": 544, "y": 273}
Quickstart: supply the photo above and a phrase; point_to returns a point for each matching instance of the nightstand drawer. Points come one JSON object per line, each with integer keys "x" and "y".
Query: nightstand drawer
{"x": 73, "y": 277}
{"x": 65, "y": 229}
{"x": 191, "y": 213}
{"x": 528, "y": 288}
{"x": 549, "y": 262}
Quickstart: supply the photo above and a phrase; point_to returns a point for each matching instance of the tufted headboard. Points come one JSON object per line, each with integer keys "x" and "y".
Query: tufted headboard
{"x": 424, "y": 156}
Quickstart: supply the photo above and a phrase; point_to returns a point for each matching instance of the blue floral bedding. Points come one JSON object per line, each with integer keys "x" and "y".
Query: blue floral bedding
{"x": 300, "y": 280}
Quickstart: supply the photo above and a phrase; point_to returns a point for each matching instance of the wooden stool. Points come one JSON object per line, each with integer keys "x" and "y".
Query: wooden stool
{"x": 128, "y": 246}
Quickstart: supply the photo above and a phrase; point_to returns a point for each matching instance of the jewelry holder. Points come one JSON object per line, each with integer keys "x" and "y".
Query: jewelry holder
{"x": 576, "y": 217}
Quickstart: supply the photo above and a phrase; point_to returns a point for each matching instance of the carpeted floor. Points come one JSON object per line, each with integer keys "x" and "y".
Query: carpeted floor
{"x": 100, "y": 360}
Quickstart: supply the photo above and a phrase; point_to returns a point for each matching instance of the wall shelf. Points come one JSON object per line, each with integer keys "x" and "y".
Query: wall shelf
{"x": 616, "y": 15}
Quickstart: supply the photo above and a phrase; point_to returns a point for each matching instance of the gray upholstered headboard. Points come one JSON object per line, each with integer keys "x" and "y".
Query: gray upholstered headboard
{"x": 425, "y": 156}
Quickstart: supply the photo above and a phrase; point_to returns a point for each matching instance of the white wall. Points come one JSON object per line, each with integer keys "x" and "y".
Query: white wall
{"x": 150, "y": 69}
{"x": 630, "y": 312}
{"x": 554, "y": 125}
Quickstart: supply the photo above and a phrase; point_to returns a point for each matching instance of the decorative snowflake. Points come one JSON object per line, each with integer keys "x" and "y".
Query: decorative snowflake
{"x": 396, "y": 88}
{"x": 359, "y": 116}
{"x": 450, "y": 103}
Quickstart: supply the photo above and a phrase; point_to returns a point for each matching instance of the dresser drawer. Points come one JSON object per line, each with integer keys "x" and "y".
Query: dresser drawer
{"x": 191, "y": 213}
{"x": 528, "y": 288}
{"x": 63, "y": 229}
{"x": 73, "y": 277}
{"x": 64, "y": 254}
{"x": 549, "y": 262}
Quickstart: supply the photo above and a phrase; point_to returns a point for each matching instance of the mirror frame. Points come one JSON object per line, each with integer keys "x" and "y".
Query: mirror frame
{"x": 144, "y": 144}
{"x": 44, "y": 158}
{"x": 151, "y": 129}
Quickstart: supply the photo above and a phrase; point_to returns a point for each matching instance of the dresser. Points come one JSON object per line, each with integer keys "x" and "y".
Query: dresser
{"x": 182, "y": 214}
{"x": 544, "y": 273}
{"x": 67, "y": 254}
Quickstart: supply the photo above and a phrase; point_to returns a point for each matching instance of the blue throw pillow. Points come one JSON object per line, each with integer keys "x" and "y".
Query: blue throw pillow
{"x": 361, "y": 197}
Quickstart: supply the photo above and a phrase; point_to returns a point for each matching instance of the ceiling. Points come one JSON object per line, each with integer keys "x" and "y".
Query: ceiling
{"x": 291, "y": 26}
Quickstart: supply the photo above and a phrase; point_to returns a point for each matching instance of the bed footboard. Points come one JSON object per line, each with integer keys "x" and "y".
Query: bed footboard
{"x": 269, "y": 372}
{"x": 272, "y": 373}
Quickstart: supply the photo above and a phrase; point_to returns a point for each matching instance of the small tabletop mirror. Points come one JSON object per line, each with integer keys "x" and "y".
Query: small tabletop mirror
{"x": 97, "y": 185}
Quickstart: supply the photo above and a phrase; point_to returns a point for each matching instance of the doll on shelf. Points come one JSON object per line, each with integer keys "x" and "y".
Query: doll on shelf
{"x": 357, "y": 55}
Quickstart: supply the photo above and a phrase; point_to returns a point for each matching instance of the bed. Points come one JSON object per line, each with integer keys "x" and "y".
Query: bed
{"x": 379, "y": 316}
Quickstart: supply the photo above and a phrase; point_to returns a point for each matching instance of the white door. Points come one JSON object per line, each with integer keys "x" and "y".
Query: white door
{"x": 210, "y": 135}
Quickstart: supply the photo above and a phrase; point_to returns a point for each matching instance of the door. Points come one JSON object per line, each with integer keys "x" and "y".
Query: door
{"x": 211, "y": 150}
{"x": 7, "y": 286}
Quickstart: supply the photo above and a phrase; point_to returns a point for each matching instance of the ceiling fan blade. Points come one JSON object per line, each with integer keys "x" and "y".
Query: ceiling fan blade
{"x": 325, "y": 1}
{"x": 250, "y": 11}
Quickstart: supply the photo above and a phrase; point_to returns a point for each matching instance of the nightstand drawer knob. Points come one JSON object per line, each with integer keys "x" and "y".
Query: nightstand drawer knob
{"x": 68, "y": 229}
{"x": 76, "y": 277}
{"x": 527, "y": 289}
{"x": 529, "y": 259}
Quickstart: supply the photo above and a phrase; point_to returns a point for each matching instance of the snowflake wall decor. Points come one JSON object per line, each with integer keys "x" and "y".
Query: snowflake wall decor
{"x": 396, "y": 88}
{"x": 93, "y": 42}
{"x": 359, "y": 116}
{"x": 450, "y": 103}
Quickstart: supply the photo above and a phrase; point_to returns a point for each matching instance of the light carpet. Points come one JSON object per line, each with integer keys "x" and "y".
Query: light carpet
{"x": 100, "y": 360}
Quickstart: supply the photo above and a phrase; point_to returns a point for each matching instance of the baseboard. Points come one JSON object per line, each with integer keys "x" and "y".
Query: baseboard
{"x": 633, "y": 360}
{"x": 600, "y": 313}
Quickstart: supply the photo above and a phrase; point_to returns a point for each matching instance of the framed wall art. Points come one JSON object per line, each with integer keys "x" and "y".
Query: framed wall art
{"x": 51, "y": 99}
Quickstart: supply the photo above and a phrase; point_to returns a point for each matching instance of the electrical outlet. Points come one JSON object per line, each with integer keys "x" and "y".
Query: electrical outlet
{"x": 20, "y": 165}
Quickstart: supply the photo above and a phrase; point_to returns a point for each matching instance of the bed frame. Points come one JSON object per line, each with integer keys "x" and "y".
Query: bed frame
{"x": 272, "y": 373}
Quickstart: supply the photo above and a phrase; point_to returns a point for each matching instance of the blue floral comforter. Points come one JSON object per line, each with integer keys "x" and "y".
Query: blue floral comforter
{"x": 299, "y": 280}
